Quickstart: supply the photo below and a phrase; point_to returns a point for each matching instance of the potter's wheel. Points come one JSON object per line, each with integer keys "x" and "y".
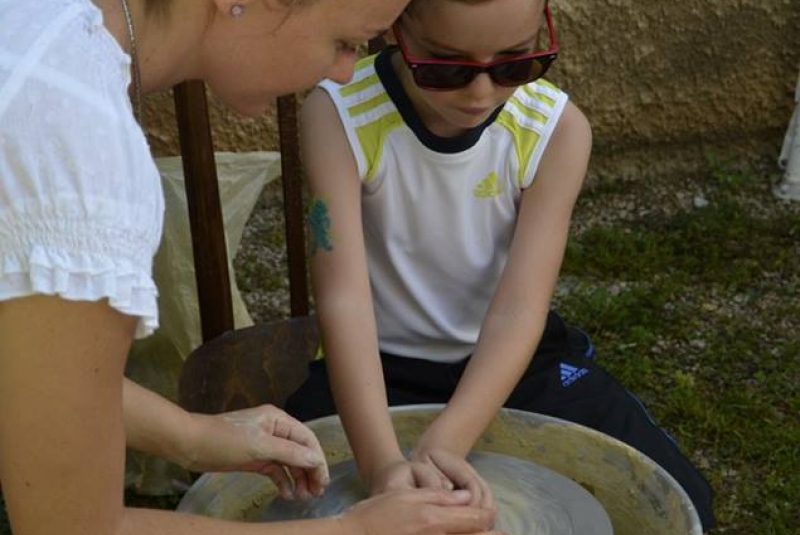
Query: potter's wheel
{"x": 531, "y": 499}
{"x": 638, "y": 495}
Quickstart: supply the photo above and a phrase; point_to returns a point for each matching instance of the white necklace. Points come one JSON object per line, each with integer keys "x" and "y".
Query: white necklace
{"x": 137, "y": 77}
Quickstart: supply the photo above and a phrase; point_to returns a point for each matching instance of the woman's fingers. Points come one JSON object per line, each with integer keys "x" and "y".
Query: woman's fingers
{"x": 285, "y": 426}
{"x": 267, "y": 440}
{"x": 307, "y": 465}
{"x": 283, "y": 482}
{"x": 301, "y": 487}
{"x": 421, "y": 512}
{"x": 461, "y": 515}
{"x": 274, "y": 436}
{"x": 318, "y": 479}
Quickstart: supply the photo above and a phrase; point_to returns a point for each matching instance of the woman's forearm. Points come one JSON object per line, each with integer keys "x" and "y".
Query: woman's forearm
{"x": 155, "y": 425}
{"x": 154, "y": 522}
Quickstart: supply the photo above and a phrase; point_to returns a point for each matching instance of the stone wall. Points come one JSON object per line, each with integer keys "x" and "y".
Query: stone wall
{"x": 665, "y": 84}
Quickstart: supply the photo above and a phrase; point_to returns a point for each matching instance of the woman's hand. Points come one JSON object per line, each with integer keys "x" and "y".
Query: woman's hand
{"x": 458, "y": 473}
{"x": 262, "y": 439}
{"x": 419, "y": 512}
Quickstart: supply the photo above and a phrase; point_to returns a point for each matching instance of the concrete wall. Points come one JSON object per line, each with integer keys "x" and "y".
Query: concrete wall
{"x": 664, "y": 83}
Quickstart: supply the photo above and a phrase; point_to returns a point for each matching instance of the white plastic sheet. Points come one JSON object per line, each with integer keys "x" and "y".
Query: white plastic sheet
{"x": 789, "y": 187}
{"x": 155, "y": 362}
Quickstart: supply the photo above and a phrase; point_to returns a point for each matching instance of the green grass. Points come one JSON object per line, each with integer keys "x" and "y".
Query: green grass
{"x": 697, "y": 310}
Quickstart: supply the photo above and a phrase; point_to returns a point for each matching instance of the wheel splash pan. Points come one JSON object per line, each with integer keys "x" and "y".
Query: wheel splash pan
{"x": 638, "y": 495}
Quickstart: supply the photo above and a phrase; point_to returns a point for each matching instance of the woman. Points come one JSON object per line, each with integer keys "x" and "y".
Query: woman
{"x": 80, "y": 219}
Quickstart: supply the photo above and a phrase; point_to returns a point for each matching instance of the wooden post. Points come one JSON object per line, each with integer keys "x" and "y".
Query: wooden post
{"x": 294, "y": 216}
{"x": 205, "y": 210}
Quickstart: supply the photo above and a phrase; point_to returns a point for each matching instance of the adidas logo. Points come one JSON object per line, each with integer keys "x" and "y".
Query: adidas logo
{"x": 570, "y": 374}
{"x": 488, "y": 187}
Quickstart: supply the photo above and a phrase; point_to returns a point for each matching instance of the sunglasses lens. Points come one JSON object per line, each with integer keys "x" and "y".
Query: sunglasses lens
{"x": 512, "y": 73}
{"x": 443, "y": 76}
{"x": 519, "y": 72}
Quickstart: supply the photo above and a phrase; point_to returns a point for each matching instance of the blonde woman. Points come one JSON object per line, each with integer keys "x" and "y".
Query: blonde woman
{"x": 80, "y": 219}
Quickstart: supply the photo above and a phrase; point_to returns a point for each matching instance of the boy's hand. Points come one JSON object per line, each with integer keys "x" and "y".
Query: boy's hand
{"x": 407, "y": 474}
{"x": 458, "y": 473}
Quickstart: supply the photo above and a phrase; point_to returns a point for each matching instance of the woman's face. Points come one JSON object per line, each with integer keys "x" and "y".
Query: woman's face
{"x": 274, "y": 49}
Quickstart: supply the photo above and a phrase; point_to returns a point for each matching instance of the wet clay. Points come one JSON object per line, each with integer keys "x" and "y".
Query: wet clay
{"x": 531, "y": 499}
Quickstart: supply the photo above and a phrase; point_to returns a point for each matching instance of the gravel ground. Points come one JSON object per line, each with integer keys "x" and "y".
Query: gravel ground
{"x": 260, "y": 263}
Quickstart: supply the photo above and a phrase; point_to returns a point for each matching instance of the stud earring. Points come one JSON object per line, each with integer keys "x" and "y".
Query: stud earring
{"x": 237, "y": 10}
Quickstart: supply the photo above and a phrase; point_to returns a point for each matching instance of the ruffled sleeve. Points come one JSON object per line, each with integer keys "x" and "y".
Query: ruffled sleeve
{"x": 81, "y": 206}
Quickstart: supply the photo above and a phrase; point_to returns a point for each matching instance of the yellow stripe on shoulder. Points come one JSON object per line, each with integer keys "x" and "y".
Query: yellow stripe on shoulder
{"x": 532, "y": 106}
{"x": 372, "y": 137}
{"x": 525, "y": 140}
{"x": 543, "y": 82}
{"x": 359, "y": 85}
{"x": 368, "y": 105}
{"x": 542, "y": 91}
{"x": 365, "y": 92}
{"x": 363, "y": 77}
{"x": 536, "y": 113}
{"x": 528, "y": 115}
{"x": 365, "y": 62}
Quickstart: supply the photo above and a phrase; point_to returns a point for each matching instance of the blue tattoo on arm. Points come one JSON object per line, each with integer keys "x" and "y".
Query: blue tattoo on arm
{"x": 319, "y": 226}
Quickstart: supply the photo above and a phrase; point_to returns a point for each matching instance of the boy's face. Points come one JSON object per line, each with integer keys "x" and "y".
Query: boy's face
{"x": 445, "y": 29}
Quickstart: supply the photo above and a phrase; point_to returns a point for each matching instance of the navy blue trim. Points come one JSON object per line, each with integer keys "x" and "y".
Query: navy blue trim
{"x": 446, "y": 145}
{"x": 651, "y": 419}
{"x": 590, "y": 351}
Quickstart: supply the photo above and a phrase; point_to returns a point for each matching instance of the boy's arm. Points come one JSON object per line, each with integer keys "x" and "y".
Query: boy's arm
{"x": 342, "y": 293}
{"x": 514, "y": 323}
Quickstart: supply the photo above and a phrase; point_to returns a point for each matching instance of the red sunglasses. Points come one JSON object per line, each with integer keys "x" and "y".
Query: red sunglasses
{"x": 447, "y": 74}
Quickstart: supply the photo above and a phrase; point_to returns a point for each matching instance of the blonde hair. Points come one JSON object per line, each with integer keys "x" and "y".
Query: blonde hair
{"x": 415, "y": 5}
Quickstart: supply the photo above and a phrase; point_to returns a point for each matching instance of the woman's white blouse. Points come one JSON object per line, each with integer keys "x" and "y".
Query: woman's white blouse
{"x": 81, "y": 205}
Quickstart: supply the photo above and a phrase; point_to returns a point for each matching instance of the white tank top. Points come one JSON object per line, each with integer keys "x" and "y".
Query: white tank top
{"x": 438, "y": 214}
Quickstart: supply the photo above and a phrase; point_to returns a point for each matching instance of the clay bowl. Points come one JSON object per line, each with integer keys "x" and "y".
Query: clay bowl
{"x": 637, "y": 494}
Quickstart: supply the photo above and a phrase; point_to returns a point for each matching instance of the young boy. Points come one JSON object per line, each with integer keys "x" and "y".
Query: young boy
{"x": 443, "y": 180}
